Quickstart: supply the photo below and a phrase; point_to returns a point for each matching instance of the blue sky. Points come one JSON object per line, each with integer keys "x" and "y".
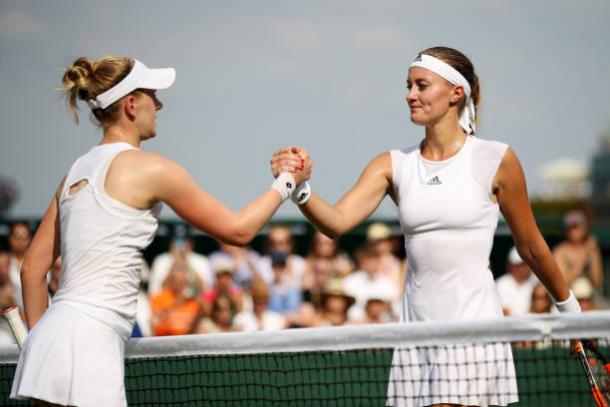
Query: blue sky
{"x": 327, "y": 75}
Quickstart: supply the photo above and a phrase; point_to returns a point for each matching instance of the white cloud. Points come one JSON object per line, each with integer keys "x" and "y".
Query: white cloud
{"x": 18, "y": 23}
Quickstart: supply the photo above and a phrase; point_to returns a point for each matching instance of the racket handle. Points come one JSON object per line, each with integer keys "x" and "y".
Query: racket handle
{"x": 14, "y": 320}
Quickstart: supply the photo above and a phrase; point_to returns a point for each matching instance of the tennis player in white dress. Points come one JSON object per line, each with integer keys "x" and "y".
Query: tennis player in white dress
{"x": 102, "y": 216}
{"x": 449, "y": 189}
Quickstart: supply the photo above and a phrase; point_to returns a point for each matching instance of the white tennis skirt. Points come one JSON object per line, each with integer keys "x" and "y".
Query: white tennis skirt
{"x": 473, "y": 375}
{"x": 70, "y": 358}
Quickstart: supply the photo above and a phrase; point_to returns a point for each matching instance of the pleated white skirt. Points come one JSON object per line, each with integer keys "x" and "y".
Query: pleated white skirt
{"x": 474, "y": 375}
{"x": 70, "y": 358}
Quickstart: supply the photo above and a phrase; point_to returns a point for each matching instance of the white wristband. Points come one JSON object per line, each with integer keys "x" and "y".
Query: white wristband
{"x": 301, "y": 194}
{"x": 284, "y": 184}
{"x": 569, "y": 305}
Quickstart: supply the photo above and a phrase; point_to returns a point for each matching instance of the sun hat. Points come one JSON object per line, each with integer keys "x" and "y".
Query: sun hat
{"x": 514, "y": 258}
{"x": 334, "y": 287}
{"x": 378, "y": 231}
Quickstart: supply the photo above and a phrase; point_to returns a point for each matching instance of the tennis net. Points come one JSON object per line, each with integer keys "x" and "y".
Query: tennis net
{"x": 479, "y": 363}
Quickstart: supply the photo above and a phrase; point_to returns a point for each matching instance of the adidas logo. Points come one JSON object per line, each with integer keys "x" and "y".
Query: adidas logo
{"x": 417, "y": 58}
{"x": 434, "y": 181}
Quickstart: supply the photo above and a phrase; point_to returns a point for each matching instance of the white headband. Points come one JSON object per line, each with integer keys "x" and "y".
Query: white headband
{"x": 140, "y": 77}
{"x": 467, "y": 118}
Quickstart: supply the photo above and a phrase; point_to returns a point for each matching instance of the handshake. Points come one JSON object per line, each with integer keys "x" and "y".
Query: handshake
{"x": 291, "y": 168}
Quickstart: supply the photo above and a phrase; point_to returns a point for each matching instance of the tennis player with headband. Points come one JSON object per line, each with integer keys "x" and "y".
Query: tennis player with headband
{"x": 449, "y": 189}
{"x": 103, "y": 214}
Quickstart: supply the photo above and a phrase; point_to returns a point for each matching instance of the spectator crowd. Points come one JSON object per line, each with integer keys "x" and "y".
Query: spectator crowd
{"x": 239, "y": 289}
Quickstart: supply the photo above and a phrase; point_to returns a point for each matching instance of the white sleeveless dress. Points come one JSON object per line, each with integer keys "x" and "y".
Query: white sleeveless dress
{"x": 74, "y": 354}
{"x": 448, "y": 218}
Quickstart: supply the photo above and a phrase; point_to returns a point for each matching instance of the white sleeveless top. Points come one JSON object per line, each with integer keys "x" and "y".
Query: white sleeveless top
{"x": 448, "y": 218}
{"x": 101, "y": 243}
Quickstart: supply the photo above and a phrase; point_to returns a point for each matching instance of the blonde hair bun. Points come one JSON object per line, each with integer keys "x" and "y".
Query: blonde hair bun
{"x": 85, "y": 79}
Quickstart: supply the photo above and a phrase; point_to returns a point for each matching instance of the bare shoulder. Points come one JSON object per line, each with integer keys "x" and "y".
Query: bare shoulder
{"x": 140, "y": 157}
{"x": 382, "y": 158}
{"x": 379, "y": 167}
{"x": 140, "y": 178}
{"x": 381, "y": 162}
{"x": 144, "y": 162}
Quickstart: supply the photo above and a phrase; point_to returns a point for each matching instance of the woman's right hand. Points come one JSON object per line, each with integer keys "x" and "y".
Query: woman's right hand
{"x": 294, "y": 160}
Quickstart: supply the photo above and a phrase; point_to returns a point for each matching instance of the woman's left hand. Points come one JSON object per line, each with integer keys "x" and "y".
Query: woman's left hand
{"x": 290, "y": 159}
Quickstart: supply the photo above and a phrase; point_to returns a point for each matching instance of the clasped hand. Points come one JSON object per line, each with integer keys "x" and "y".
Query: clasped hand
{"x": 294, "y": 160}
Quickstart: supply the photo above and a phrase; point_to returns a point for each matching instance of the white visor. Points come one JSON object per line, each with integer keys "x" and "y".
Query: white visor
{"x": 467, "y": 118}
{"x": 140, "y": 77}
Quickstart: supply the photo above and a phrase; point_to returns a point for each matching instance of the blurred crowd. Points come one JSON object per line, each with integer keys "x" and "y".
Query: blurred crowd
{"x": 239, "y": 289}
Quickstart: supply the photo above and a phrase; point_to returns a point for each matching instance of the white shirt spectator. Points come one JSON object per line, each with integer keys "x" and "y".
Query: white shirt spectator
{"x": 163, "y": 263}
{"x": 270, "y": 321}
{"x": 363, "y": 286}
{"x": 515, "y": 298}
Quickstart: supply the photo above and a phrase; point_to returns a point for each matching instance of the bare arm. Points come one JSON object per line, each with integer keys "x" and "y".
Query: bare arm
{"x": 42, "y": 253}
{"x": 563, "y": 266}
{"x": 511, "y": 192}
{"x": 356, "y": 205}
{"x": 173, "y": 185}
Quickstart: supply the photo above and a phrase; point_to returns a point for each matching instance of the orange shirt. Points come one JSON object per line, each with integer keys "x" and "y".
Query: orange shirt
{"x": 170, "y": 318}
